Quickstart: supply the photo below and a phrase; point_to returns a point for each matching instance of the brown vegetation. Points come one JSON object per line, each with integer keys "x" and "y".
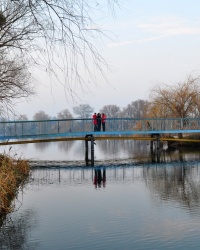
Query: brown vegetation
{"x": 178, "y": 100}
{"x": 12, "y": 175}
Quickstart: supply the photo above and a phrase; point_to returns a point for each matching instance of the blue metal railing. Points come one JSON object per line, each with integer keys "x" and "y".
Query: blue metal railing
{"x": 72, "y": 127}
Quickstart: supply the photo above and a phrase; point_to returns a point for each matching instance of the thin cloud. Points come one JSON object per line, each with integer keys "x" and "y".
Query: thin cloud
{"x": 125, "y": 43}
{"x": 169, "y": 27}
{"x": 159, "y": 29}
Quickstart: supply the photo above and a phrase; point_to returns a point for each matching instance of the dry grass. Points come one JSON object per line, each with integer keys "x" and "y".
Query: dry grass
{"x": 12, "y": 174}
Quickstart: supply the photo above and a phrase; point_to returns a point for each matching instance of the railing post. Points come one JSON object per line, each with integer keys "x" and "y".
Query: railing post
{"x": 91, "y": 139}
{"x": 22, "y": 128}
{"x": 181, "y": 125}
{"x": 15, "y": 132}
{"x": 4, "y": 130}
{"x": 86, "y": 150}
{"x": 92, "y": 150}
{"x": 58, "y": 128}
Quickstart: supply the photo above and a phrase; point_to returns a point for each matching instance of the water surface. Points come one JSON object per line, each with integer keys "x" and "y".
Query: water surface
{"x": 132, "y": 204}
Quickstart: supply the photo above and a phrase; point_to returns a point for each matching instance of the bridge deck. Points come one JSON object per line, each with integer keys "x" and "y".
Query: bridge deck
{"x": 20, "y": 141}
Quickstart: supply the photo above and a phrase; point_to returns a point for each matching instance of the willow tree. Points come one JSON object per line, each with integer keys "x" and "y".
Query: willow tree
{"x": 57, "y": 36}
{"x": 180, "y": 100}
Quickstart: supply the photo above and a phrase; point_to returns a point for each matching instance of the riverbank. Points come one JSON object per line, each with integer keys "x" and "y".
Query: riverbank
{"x": 13, "y": 173}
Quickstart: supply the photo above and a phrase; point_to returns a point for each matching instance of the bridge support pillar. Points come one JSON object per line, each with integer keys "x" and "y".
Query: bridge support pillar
{"x": 158, "y": 141}
{"x": 155, "y": 151}
{"x": 86, "y": 151}
{"x": 151, "y": 143}
{"x": 91, "y": 139}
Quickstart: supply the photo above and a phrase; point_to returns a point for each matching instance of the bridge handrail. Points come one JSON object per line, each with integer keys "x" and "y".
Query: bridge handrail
{"x": 107, "y": 119}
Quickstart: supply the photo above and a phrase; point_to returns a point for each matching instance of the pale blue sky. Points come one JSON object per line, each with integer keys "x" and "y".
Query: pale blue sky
{"x": 153, "y": 41}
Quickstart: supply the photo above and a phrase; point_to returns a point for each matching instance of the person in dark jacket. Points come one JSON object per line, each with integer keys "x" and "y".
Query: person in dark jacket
{"x": 98, "y": 122}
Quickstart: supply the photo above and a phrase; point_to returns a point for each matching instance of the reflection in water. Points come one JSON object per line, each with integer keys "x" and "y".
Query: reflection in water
{"x": 99, "y": 179}
{"x": 14, "y": 232}
{"x": 179, "y": 182}
{"x": 114, "y": 150}
{"x": 123, "y": 148}
{"x": 137, "y": 192}
{"x": 65, "y": 146}
{"x": 42, "y": 146}
{"x": 69, "y": 216}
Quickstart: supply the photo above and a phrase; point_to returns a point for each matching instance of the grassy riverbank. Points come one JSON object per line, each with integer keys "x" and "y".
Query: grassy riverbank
{"x": 12, "y": 174}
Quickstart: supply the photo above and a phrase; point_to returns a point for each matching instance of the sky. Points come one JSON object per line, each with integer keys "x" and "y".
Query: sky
{"x": 150, "y": 42}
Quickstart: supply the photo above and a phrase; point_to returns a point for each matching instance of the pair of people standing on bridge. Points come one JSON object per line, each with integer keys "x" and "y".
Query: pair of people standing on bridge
{"x": 98, "y": 121}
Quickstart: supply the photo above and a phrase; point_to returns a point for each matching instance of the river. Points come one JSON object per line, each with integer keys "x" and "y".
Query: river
{"x": 129, "y": 200}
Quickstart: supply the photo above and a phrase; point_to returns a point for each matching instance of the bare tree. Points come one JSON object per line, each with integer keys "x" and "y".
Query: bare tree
{"x": 64, "y": 125}
{"x": 136, "y": 109}
{"x": 65, "y": 114}
{"x": 111, "y": 111}
{"x": 61, "y": 34}
{"x": 41, "y": 115}
{"x": 15, "y": 81}
{"x": 83, "y": 111}
{"x": 22, "y": 118}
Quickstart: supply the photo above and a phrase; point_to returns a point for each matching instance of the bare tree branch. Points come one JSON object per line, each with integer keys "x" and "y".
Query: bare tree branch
{"x": 63, "y": 33}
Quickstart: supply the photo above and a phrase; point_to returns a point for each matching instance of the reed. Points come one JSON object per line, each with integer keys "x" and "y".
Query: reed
{"x": 12, "y": 174}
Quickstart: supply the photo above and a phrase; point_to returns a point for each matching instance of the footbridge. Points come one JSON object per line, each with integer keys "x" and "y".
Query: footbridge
{"x": 44, "y": 130}
{"x": 18, "y": 132}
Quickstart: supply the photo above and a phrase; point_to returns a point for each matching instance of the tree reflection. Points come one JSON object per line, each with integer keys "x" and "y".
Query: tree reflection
{"x": 179, "y": 183}
{"x": 66, "y": 146}
{"x": 42, "y": 145}
{"x": 135, "y": 149}
{"x": 173, "y": 154}
{"x": 14, "y": 232}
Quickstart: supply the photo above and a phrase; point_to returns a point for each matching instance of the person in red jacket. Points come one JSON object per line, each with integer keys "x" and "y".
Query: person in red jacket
{"x": 94, "y": 117}
{"x": 103, "y": 121}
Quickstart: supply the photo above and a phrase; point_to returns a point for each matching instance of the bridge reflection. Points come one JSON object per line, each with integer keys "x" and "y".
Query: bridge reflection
{"x": 79, "y": 176}
{"x": 175, "y": 182}
{"x": 100, "y": 177}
